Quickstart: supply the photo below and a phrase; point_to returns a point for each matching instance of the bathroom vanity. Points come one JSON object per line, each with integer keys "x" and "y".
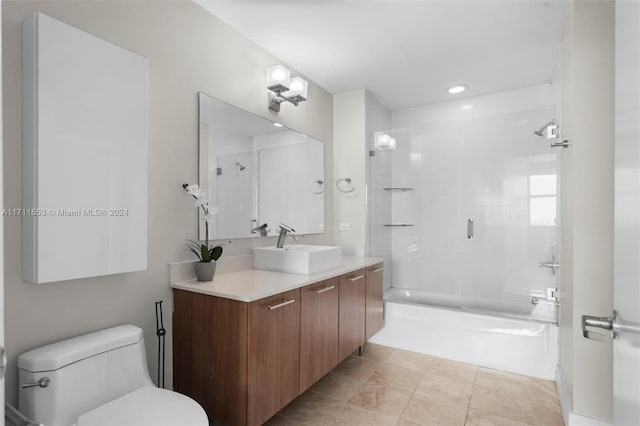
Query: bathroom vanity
{"x": 249, "y": 342}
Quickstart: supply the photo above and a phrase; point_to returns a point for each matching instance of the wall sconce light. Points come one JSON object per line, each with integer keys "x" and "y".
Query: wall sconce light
{"x": 384, "y": 141}
{"x": 284, "y": 88}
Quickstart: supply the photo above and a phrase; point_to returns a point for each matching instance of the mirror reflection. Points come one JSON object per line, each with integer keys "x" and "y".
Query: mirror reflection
{"x": 258, "y": 172}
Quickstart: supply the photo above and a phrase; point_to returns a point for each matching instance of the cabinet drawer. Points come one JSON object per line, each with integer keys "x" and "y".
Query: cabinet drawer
{"x": 318, "y": 331}
{"x": 374, "y": 303}
{"x": 352, "y": 313}
{"x": 273, "y": 355}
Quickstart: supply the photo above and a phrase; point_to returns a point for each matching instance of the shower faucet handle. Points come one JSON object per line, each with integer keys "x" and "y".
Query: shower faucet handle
{"x": 553, "y": 265}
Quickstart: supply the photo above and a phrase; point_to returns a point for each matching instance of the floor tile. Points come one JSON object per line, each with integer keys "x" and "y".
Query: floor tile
{"x": 352, "y": 415}
{"x": 446, "y": 389}
{"x": 337, "y": 386}
{"x": 389, "y": 387}
{"x": 278, "y": 420}
{"x": 403, "y": 422}
{"x": 382, "y": 399}
{"x": 504, "y": 376}
{"x": 546, "y": 406}
{"x": 312, "y": 408}
{"x": 550, "y": 418}
{"x": 410, "y": 360}
{"x": 376, "y": 353}
{"x": 398, "y": 377}
{"x": 357, "y": 368}
{"x": 453, "y": 370}
{"x": 478, "y": 418}
{"x": 544, "y": 390}
{"x": 503, "y": 381}
{"x": 425, "y": 411}
{"x": 503, "y": 398}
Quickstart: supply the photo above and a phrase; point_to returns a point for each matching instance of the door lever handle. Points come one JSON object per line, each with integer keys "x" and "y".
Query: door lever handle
{"x": 605, "y": 323}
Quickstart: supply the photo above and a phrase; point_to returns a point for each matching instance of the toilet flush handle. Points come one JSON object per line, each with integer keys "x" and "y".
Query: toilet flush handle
{"x": 42, "y": 383}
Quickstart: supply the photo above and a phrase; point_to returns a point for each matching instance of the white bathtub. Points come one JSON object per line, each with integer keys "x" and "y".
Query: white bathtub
{"x": 515, "y": 345}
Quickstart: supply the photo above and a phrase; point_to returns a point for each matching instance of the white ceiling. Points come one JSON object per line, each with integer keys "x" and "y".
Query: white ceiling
{"x": 407, "y": 53}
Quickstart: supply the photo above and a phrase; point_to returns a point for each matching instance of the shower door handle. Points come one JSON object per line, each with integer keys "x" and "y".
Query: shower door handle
{"x": 469, "y": 228}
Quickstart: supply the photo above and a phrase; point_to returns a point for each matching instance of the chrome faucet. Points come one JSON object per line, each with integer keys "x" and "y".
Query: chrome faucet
{"x": 262, "y": 229}
{"x": 284, "y": 229}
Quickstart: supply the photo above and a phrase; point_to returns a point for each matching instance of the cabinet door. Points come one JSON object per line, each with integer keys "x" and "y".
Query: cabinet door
{"x": 273, "y": 355}
{"x": 374, "y": 305}
{"x": 318, "y": 331}
{"x": 352, "y": 313}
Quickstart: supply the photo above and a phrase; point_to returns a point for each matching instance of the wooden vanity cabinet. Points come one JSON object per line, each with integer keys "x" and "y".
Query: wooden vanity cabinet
{"x": 352, "y": 313}
{"x": 210, "y": 353}
{"x": 273, "y": 349}
{"x": 374, "y": 304}
{"x": 244, "y": 361}
{"x": 318, "y": 331}
{"x": 240, "y": 361}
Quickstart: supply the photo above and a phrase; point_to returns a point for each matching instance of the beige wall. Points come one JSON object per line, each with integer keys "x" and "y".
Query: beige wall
{"x": 349, "y": 136}
{"x": 587, "y": 193}
{"x": 188, "y": 50}
{"x": 357, "y": 115}
{"x": 567, "y": 122}
{"x": 2, "y": 326}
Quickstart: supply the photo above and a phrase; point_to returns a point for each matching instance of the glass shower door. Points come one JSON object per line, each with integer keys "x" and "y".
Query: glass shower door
{"x": 425, "y": 199}
{"x": 509, "y": 191}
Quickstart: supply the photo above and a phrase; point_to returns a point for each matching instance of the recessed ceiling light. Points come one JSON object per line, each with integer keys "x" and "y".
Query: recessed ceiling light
{"x": 277, "y": 124}
{"x": 458, "y": 88}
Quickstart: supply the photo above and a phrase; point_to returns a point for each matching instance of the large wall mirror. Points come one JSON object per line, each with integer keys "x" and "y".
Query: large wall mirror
{"x": 256, "y": 171}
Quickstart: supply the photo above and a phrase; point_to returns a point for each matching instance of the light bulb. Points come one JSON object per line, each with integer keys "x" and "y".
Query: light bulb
{"x": 458, "y": 88}
{"x": 278, "y": 78}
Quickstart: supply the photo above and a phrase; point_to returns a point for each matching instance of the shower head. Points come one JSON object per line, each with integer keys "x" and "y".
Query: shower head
{"x": 240, "y": 166}
{"x": 551, "y": 130}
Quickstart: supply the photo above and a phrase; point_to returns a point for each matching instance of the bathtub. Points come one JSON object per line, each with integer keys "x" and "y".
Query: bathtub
{"x": 495, "y": 341}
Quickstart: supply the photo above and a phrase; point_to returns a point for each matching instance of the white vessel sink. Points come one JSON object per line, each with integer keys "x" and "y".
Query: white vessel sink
{"x": 297, "y": 258}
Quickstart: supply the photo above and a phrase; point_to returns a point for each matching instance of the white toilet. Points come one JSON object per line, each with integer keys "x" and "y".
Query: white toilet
{"x": 99, "y": 378}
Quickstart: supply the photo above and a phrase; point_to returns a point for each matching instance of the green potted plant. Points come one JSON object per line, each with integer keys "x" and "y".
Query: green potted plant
{"x": 207, "y": 255}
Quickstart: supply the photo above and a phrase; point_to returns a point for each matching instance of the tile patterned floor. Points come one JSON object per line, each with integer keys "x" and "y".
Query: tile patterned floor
{"x": 389, "y": 386}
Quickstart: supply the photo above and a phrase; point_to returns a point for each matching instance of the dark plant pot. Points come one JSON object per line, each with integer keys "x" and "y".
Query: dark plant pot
{"x": 205, "y": 270}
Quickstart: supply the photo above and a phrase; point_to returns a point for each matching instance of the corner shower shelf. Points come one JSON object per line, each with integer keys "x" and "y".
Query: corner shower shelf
{"x": 398, "y": 189}
{"x": 398, "y": 224}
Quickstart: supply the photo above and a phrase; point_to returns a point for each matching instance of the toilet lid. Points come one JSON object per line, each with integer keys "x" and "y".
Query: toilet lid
{"x": 147, "y": 406}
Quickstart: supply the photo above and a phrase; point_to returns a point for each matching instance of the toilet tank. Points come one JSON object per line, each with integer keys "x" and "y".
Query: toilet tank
{"x": 84, "y": 372}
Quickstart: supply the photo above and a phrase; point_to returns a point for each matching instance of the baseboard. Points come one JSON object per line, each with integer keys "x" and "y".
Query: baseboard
{"x": 578, "y": 420}
{"x": 571, "y": 418}
{"x": 563, "y": 395}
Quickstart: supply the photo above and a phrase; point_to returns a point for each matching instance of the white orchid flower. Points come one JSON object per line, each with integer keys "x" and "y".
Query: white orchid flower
{"x": 201, "y": 202}
{"x": 199, "y": 193}
{"x": 191, "y": 189}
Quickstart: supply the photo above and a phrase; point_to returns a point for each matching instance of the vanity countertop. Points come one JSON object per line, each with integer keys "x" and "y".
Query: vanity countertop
{"x": 253, "y": 284}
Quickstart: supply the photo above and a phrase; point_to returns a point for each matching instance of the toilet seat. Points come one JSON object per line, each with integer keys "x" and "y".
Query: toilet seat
{"x": 147, "y": 406}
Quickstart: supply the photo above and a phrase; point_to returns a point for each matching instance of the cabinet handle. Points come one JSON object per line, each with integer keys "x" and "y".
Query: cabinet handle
{"x": 285, "y": 302}
{"x": 325, "y": 289}
{"x": 378, "y": 270}
{"x": 356, "y": 278}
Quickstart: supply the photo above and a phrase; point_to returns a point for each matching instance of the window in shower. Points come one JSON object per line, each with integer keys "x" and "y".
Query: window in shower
{"x": 543, "y": 201}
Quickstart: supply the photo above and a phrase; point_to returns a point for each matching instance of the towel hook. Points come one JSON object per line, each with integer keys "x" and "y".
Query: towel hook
{"x": 348, "y": 188}
{"x": 320, "y": 184}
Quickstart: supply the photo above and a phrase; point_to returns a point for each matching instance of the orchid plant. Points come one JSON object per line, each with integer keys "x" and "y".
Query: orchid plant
{"x": 203, "y": 251}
